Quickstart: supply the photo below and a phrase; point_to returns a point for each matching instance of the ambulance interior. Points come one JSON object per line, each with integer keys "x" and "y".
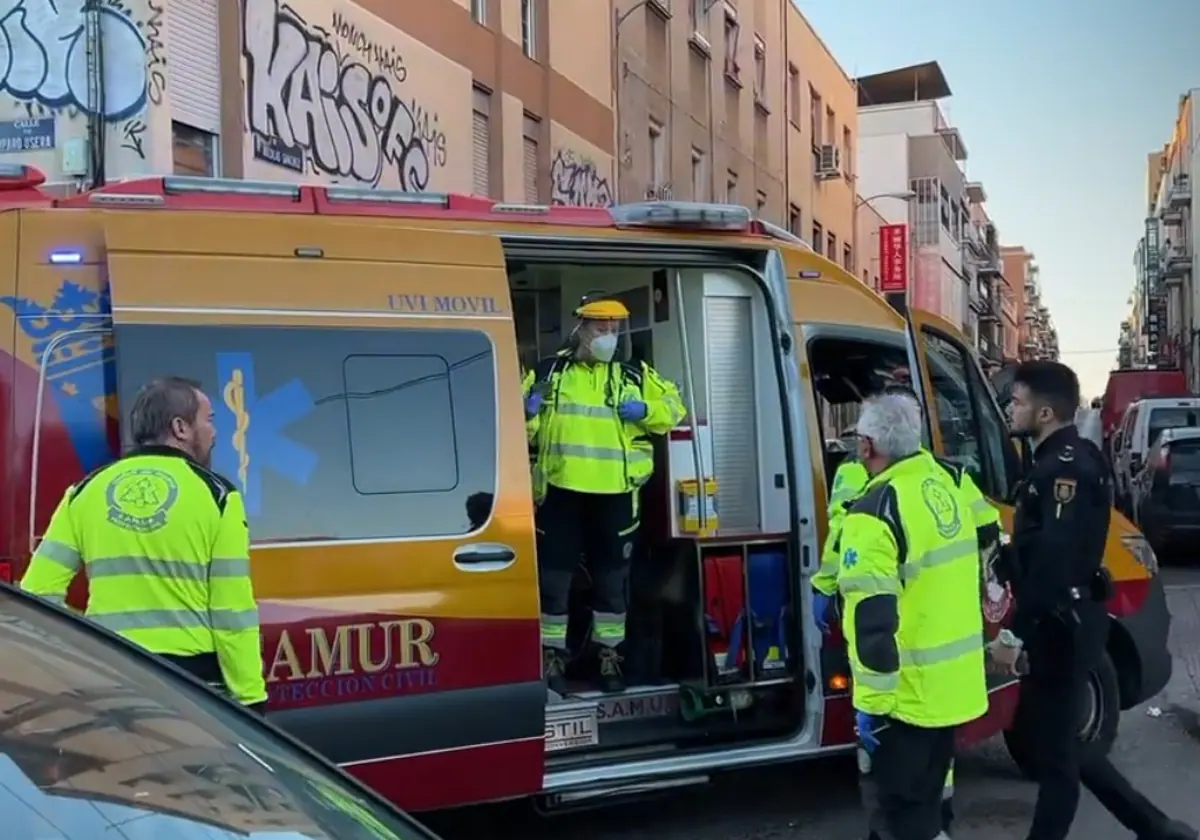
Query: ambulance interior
{"x": 712, "y": 649}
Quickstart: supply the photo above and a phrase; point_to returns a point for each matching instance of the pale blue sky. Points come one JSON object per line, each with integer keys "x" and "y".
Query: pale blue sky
{"x": 1058, "y": 101}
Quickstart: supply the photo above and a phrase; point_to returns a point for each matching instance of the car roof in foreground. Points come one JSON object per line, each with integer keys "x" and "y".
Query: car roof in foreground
{"x": 95, "y": 733}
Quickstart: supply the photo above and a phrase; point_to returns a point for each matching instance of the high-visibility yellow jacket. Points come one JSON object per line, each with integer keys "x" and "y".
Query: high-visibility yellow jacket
{"x": 909, "y": 574}
{"x": 848, "y": 484}
{"x": 164, "y": 545}
{"x": 581, "y": 442}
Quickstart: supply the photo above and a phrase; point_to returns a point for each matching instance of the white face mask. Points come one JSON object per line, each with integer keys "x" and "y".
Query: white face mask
{"x": 603, "y": 347}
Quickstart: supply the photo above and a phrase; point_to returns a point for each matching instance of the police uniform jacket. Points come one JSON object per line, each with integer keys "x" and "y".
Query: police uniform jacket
{"x": 1060, "y": 526}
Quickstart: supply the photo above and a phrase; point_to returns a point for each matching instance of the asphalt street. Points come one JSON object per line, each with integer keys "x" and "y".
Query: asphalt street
{"x": 1158, "y": 746}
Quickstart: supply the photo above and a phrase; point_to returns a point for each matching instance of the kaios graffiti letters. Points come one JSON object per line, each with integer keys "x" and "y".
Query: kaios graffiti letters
{"x": 312, "y": 104}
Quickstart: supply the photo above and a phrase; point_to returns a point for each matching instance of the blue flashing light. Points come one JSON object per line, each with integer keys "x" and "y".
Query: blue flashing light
{"x": 65, "y": 257}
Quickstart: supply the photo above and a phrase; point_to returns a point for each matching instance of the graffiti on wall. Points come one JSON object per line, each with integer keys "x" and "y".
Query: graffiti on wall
{"x": 577, "y": 180}
{"x": 44, "y": 58}
{"x": 330, "y": 101}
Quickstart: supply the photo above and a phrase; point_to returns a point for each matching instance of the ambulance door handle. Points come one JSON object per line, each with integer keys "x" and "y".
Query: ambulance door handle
{"x": 484, "y": 557}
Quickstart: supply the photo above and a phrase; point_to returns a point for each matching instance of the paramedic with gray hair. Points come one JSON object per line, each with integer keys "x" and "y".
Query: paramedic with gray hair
{"x": 910, "y": 576}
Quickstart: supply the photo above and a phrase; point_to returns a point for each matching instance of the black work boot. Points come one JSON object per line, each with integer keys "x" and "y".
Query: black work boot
{"x": 612, "y": 680}
{"x": 1172, "y": 830}
{"x": 554, "y": 669}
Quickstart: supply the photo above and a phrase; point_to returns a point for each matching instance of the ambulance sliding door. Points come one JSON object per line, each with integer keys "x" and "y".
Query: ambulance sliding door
{"x": 366, "y": 402}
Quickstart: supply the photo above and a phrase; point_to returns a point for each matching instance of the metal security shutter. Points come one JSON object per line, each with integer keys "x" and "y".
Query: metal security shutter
{"x": 531, "y": 164}
{"x": 728, "y": 333}
{"x": 481, "y": 172}
{"x": 194, "y": 72}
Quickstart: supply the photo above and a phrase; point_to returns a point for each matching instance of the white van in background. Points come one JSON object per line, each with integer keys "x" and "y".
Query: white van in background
{"x": 1144, "y": 421}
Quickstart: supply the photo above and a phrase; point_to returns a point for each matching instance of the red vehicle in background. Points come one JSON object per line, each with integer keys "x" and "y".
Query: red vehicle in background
{"x": 1125, "y": 386}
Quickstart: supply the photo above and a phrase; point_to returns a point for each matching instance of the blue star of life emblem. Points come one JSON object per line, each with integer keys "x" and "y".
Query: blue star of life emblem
{"x": 850, "y": 558}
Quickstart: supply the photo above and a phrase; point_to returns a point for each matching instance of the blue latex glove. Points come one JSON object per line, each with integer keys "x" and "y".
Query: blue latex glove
{"x": 632, "y": 411}
{"x": 533, "y": 404}
{"x": 867, "y": 726}
{"x": 822, "y": 606}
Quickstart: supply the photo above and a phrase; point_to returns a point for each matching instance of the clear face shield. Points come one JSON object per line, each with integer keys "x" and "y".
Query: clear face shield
{"x": 602, "y": 333}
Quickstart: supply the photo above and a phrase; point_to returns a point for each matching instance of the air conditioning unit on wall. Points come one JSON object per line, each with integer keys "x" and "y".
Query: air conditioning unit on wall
{"x": 829, "y": 163}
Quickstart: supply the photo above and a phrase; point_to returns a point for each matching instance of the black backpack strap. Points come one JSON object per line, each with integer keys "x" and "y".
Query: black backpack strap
{"x": 546, "y": 368}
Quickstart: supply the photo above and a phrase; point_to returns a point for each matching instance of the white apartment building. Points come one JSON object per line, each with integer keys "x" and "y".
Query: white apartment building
{"x": 910, "y": 169}
{"x": 1169, "y": 261}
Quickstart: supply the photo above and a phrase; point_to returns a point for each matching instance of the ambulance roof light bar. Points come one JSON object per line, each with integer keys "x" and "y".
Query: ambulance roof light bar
{"x": 184, "y": 184}
{"x": 419, "y": 199}
{"x": 683, "y": 215}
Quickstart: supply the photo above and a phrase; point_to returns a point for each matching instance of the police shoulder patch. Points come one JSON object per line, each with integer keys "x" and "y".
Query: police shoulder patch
{"x": 1064, "y": 490}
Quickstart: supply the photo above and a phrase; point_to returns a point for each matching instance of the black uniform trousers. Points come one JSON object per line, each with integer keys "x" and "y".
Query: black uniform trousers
{"x": 598, "y": 529}
{"x": 1051, "y": 703}
{"x": 903, "y": 790}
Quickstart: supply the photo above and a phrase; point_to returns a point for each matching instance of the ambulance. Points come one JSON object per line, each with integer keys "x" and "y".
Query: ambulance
{"x": 364, "y": 350}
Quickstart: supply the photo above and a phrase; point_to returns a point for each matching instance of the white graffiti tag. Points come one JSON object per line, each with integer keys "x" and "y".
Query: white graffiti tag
{"x": 43, "y": 57}
{"x": 310, "y": 104}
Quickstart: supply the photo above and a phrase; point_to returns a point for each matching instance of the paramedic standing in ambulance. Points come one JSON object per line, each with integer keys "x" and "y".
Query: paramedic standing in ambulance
{"x": 590, "y": 410}
{"x": 910, "y": 577}
{"x": 163, "y": 543}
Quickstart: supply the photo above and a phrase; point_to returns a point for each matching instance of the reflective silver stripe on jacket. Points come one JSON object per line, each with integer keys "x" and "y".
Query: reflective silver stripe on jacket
{"x": 919, "y": 658}
{"x": 189, "y": 570}
{"x": 215, "y": 620}
{"x": 59, "y": 553}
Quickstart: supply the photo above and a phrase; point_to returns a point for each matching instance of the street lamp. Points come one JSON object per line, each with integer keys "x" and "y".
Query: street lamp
{"x": 862, "y": 201}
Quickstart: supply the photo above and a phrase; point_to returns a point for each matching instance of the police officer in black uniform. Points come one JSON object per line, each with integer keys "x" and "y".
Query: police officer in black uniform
{"x": 1060, "y": 628}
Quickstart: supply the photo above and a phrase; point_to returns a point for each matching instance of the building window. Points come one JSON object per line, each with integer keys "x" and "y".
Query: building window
{"x": 530, "y": 163}
{"x": 481, "y": 143}
{"x": 194, "y": 151}
{"x": 815, "y": 109}
{"x": 847, "y": 154}
{"x": 479, "y": 11}
{"x": 733, "y": 69}
{"x": 760, "y": 71}
{"x": 945, "y": 208}
{"x": 529, "y": 28}
{"x": 793, "y": 93}
{"x": 699, "y": 176}
{"x": 831, "y": 244}
{"x": 731, "y": 193}
{"x": 848, "y": 258}
{"x": 830, "y": 136}
{"x": 760, "y": 204}
{"x": 404, "y": 458}
{"x": 795, "y": 221}
{"x": 818, "y": 236}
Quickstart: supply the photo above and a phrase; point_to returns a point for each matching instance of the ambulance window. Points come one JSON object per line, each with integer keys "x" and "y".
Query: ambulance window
{"x": 339, "y": 433}
{"x": 971, "y": 431}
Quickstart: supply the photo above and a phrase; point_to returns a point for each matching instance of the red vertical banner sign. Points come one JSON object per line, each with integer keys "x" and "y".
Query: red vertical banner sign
{"x": 893, "y": 258}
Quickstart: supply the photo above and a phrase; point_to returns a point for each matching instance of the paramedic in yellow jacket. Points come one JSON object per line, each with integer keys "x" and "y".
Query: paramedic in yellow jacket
{"x": 590, "y": 411}
{"x": 163, "y": 543}
{"x": 910, "y": 576}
